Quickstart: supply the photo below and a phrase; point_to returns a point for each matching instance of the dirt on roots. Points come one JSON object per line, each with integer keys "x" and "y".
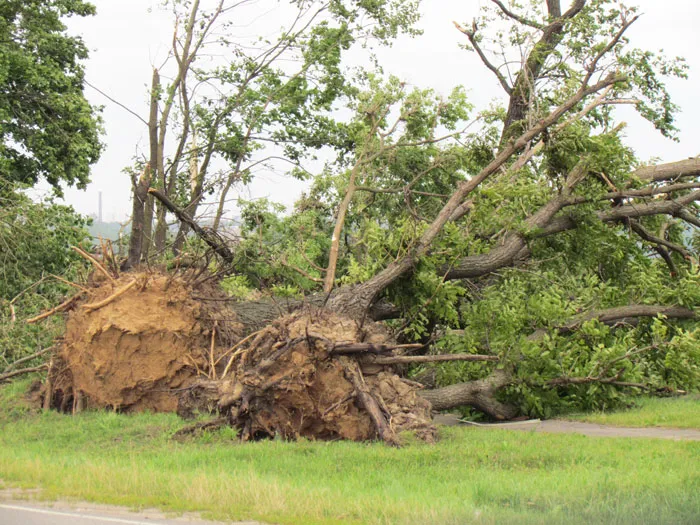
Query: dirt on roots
{"x": 137, "y": 351}
{"x": 149, "y": 341}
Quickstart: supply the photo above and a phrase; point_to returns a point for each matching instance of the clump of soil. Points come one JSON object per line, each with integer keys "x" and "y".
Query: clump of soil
{"x": 296, "y": 378}
{"x": 150, "y": 341}
{"x": 137, "y": 351}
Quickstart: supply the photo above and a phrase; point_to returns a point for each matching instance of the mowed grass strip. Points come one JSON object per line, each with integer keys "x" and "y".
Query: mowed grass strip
{"x": 470, "y": 476}
{"x": 675, "y": 412}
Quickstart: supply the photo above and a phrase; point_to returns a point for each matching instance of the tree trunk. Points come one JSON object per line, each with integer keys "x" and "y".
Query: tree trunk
{"x": 140, "y": 196}
{"x": 153, "y": 156}
{"x": 478, "y": 394}
{"x": 522, "y": 93}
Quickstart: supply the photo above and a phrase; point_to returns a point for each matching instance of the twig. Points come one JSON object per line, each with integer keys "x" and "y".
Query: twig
{"x": 212, "y": 364}
{"x": 94, "y": 306}
{"x": 30, "y": 357}
{"x": 409, "y": 359}
{"x": 64, "y": 305}
{"x": 94, "y": 261}
{"x": 69, "y": 283}
{"x": 9, "y": 375}
{"x": 31, "y": 286}
{"x": 235, "y": 354}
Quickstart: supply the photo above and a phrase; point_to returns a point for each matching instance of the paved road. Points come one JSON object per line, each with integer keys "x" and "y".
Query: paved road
{"x": 23, "y": 513}
{"x": 560, "y": 426}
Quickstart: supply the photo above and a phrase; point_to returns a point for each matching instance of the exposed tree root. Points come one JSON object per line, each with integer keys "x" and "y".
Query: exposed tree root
{"x": 288, "y": 381}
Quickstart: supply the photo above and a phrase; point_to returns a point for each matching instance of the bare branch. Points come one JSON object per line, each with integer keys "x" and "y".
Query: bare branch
{"x": 517, "y": 17}
{"x": 670, "y": 171}
{"x": 9, "y": 375}
{"x": 63, "y": 306}
{"x": 471, "y": 35}
{"x": 649, "y": 237}
{"x": 30, "y": 357}
{"x": 214, "y": 241}
{"x": 441, "y": 358}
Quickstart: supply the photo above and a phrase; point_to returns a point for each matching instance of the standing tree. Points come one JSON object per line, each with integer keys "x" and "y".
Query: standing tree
{"x": 48, "y": 130}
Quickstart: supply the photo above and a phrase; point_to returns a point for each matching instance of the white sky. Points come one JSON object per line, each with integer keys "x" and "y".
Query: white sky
{"x": 126, "y": 39}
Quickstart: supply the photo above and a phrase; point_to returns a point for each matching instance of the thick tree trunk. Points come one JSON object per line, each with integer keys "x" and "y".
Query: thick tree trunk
{"x": 140, "y": 196}
{"x": 479, "y": 394}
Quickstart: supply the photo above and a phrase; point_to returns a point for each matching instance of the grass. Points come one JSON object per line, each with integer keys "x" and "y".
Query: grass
{"x": 679, "y": 412}
{"x": 470, "y": 476}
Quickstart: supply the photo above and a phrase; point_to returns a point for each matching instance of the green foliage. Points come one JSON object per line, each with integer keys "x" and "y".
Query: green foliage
{"x": 48, "y": 129}
{"x": 36, "y": 240}
{"x": 407, "y": 151}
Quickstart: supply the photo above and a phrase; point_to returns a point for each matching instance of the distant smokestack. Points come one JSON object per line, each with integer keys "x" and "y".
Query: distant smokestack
{"x": 99, "y": 207}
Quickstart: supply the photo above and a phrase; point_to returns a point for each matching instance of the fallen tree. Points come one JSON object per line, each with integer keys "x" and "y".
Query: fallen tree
{"x": 556, "y": 168}
{"x": 525, "y": 268}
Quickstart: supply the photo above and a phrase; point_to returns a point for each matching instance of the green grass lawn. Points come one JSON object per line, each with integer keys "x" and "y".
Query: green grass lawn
{"x": 471, "y": 476}
{"x": 677, "y": 412}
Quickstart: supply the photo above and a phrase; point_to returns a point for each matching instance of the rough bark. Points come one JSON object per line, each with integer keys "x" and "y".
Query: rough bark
{"x": 479, "y": 394}
{"x": 255, "y": 315}
{"x": 670, "y": 171}
{"x": 210, "y": 237}
{"x": 140, "y": 196}
{"x": 153, "y": 163}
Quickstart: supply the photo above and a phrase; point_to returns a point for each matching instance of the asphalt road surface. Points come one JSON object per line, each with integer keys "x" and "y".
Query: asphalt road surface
{"x": 23, "y": 513}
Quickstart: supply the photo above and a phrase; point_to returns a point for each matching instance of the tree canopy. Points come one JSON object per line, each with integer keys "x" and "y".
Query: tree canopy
{"x": 48, "y": 130}
{"x": 529, "y": 231}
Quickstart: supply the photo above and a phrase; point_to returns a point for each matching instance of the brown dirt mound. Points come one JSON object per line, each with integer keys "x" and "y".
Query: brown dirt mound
{"x": 149, "y": 341}
{"x": 292, "y": 380}
{"x": 135, "y": 352}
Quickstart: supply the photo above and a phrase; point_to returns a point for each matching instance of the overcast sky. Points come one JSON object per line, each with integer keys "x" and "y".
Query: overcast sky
{"x": 126, "y": 39}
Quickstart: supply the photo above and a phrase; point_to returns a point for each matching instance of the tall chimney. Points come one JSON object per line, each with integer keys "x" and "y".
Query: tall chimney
{"x": 99, "y": 207}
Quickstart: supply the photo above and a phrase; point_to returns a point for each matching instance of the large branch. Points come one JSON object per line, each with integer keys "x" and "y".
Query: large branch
{"x": 514, "y": 246}
{"x": 670, "y": 171}
{"x": 210, "y": 237}
{"x": 355, "y": 301}
{"x": 514, "y": 243}
{"x": 623, "y": 314}
{"x": 479, "y": 394}
{"x": 676, "y": 207}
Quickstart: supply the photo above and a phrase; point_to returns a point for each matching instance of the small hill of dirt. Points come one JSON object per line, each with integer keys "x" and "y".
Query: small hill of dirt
{"x": 152, "y": 341}
{"x": 290, "y": 382}
{"x": 136, "y": 351}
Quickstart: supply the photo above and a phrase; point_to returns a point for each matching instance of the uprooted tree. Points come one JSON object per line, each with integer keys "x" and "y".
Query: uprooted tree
{"x": 518, "y": 262}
